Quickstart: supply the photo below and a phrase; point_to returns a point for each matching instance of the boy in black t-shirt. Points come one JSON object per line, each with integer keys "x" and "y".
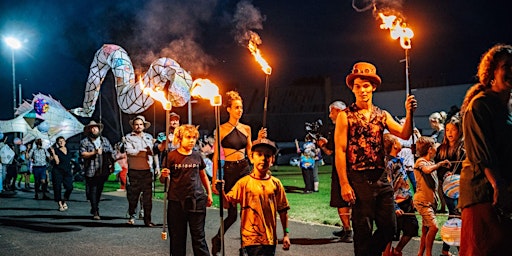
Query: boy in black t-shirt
{"x": 186, "y": 194}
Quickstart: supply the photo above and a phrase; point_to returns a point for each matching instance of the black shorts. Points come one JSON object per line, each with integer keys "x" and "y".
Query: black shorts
{"x": 233, "y": 171}
{"x": 336, "y": 199}
{"x": 408, "y": 224}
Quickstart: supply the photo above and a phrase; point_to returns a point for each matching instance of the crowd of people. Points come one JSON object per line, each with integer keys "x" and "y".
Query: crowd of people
{"x": 384, "y": 171}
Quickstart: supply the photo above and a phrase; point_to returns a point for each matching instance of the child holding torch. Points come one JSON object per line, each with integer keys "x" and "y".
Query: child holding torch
{"x": 261, "y": 197}
{"x": 189, "y": 192}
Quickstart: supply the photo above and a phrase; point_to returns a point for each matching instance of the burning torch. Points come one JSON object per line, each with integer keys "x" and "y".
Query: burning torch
{"x": 398, "y": 30}
{"x": 253, "y": 48}
{"x": 205, "y": 89}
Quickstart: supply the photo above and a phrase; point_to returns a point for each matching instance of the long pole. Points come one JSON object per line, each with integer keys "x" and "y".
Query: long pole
{"x": 266, "y": 101}
{"x": 408, "y": 92}
{"x": 220, "y": 175}
{"x": 13, "y": 85}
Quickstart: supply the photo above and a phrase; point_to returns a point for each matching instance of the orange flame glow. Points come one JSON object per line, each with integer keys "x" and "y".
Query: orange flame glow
{"x": 397, "y": 29}
{"x": 253, "y": 48}
{"x": 206, "y": 89}
{"x": 157, "y": 95}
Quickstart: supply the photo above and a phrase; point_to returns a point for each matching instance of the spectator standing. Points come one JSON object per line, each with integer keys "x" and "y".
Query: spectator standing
{"x": 40, "y": 158}
{"x": 404, "y": 210}
{"x": 485, "y": 180}
{"x": 451, "y": 149}
{"x": 437, "y": 120}
{"x": 139, "y": 149}
{"x": 407, "y": 155}
{"x": 425, "y": 198}
{"x": 121, "y": 160}
{"x": 344, "y": 209}
{"x": 24, "y": 164}
{"x": 97, "y": 153}
{"x": 62, "y": 173}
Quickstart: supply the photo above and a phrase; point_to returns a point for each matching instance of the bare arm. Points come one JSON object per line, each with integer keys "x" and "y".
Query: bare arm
{"x": 206, "y": 185}
{"x": 395, "y": 128}
{"x": 283, "y": 216}
{"x": 340, "y": 142}
{"x": 430, "y": 168}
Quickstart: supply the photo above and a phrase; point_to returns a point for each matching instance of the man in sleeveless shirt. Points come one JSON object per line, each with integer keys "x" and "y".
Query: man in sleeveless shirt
{"x": 359, "y": 152}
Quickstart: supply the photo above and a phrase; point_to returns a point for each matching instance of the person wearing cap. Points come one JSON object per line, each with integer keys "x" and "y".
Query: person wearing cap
{"x": 359, "y": 154}
{"x": 327, "y": 146}
{"x": 168, "y": 145}
{"x": 139, "y": 150}
{"x": 262, "y": 197}
{"x": 97, "y": 152}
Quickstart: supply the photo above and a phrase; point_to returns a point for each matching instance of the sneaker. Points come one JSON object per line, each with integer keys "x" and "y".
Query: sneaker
{"x": 96, "y": 216}
{"x": 347, "y": 237}
{"x": 215, "y": 245}
{"x": 141, "y": 214}
{"x": 131, "y": 221}
{"x": 61, "y": 208}
{"x": 339, "y": 233}
{"x": 65, "y": 206}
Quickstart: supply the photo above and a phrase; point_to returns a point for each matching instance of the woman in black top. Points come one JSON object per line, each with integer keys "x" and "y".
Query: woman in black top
{"x": 62, "y": 173}
{"x": 235, "y": 139}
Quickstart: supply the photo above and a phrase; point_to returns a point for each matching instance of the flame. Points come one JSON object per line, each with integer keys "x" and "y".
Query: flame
{"x": 157, "y": 95}
{"x": 206, "y": 89}
{"x": 397, "y": 29}
{"x": 253, "y": 48}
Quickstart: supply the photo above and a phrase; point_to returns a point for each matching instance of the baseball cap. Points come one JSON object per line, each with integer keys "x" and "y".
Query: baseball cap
{"x": 173, "y": 114}
{"x": 264, "y": 142}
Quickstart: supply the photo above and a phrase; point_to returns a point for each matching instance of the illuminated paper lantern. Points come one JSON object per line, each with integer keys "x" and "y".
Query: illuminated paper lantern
{"x": 450, "y": 232}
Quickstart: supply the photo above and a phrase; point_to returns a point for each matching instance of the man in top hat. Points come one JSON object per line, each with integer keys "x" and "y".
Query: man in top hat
{"x": 139, "y": 149}
{"x": 97, "y": 153}
{"x": 359, "y": 151}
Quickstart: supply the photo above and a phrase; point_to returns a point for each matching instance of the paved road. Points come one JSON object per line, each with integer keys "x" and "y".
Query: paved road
{"x": 36, "y": 227}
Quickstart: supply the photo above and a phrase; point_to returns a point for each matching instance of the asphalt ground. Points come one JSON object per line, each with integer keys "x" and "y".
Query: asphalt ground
{"x": 36, "y": 227}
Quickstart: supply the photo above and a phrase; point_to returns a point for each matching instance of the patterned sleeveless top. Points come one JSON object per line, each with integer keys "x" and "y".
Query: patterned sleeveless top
{"x": 365, "y": 145}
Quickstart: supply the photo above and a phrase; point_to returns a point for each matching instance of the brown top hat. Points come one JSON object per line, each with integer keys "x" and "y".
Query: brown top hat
{"x": 363, "y": 70}
{"x": 92, "y": 123}
{"x": 146, "y": 123}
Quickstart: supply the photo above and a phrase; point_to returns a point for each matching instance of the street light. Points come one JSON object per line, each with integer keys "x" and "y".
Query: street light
{"x": 14, "y": 44}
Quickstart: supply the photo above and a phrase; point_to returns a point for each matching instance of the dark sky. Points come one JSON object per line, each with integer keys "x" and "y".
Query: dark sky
{"x": 300, "y": 39}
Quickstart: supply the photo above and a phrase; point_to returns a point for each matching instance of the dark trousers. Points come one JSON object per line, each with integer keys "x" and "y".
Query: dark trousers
{"x": 140, "y": 181}
{"x": 307, "y": 175}
{"x": 233, "y": 171}
{"x": 260, "y": 250}
{"x": 62, "y": 177}
{"x": 193, "y": 213}
{"x": 374, "y": 204}
{"x": 95, "y": 188}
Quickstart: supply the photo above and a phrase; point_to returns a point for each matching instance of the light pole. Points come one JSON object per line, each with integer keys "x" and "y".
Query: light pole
{"x": 14, "y": 44}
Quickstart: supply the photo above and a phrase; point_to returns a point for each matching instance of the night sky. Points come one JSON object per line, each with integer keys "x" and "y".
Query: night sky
{"x": 299, "y": 39}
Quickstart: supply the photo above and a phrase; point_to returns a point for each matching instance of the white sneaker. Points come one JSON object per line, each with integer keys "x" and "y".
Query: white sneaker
{"x": 61, "y": 207}
{"x": 65, "y": 206}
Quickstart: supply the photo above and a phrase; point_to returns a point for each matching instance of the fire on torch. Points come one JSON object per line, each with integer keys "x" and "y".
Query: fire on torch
{"x": 253, "y": 48}
{"x": 398, "y": 30}
{"x": 205, "y": 89}
{"x": 157, "y": 95}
